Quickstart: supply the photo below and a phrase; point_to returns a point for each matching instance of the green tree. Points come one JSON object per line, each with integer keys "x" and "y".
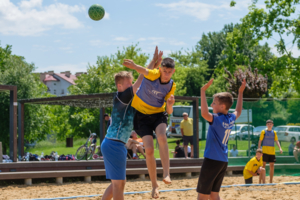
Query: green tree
{"x": 277, "y": 19}
{"x": 16, "y": 71}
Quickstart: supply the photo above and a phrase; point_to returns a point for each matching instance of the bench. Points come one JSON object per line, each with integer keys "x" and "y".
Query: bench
{"x": 87, "y": 174}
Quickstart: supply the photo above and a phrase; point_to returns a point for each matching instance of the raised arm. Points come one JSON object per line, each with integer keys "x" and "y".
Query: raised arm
{"x": 157, "y": 57}
{"x": 239, "y": 105}
{"x": 204, "y": 107}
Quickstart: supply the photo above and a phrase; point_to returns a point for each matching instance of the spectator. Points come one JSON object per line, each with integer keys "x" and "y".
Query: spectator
{"x": 291, "y": 147}
{"x": 234, "y": 152}
{"x": 297, "y": 151}
{"x": 136, "y": 145}
{"x": 107, "y": 118}
{"x": 186, "y": 127}
{"x": 179, "y": 152}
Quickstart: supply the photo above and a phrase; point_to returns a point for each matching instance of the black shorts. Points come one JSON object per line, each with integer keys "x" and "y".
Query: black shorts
{"x": 187, "y": 140}
{"x": 249, "y": 180}
{"x": 146, "y": 124}
{"x": 269, "y": 158}
{"x": 211, "y": 176}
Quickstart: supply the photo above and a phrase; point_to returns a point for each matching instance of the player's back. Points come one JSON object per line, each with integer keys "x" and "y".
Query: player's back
{"x": 218, "y": 135}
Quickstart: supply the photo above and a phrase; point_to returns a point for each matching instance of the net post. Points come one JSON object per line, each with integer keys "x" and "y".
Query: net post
{"x": 196, "y": 127}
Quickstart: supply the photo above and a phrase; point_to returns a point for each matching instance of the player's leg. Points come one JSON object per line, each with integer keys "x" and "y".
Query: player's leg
{"x": 215, "y": 196}
{"x": 108, "y": 194}
{"x": 163, "y": 151}
{"x": 151, "y": 163}
{"x": 118, "y": 189}
{"x": 271, "y": 171}
{"x": 203, "y": 196}
{"x": 262, "y": 175}
{"x": 221, "y": 171}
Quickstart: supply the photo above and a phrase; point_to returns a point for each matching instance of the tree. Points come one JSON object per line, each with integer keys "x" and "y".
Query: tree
{"x": 277, "y": 19}
{"x": 16, "y": 71}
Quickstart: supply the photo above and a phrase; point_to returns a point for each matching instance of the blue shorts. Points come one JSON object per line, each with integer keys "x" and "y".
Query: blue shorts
{"x": 114, "y": 156}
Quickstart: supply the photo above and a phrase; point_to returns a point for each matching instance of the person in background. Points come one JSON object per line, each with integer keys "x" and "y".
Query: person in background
{"x": 186, "y": 127}
{"x": 254, "y": 168}
{"x": 297, "y": 151}
{"x": 136, "y": 145}
{"x": 291, "y": 147}
{"x": 234, "y": 152}
{"x": 107, "y": 118}
{"x": 179, "y": 152}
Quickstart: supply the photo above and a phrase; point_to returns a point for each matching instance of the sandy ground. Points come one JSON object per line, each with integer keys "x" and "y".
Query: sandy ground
{"x": 46, "y": 190}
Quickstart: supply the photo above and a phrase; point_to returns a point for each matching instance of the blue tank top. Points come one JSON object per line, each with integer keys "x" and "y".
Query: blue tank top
{"x": 154, "y": 92}
{"x": 122, "y": 116}
{"x": 269, "y": 138}
{"x": 218, "y": 135}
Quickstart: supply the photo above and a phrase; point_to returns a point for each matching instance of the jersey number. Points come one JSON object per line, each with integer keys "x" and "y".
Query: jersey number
{"x": 226, "y": 137}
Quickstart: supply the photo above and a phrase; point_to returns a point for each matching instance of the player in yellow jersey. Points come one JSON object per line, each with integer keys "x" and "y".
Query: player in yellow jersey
{"x": 153, "y": 102}
{"x": 267, "y": 138}
{"x": 254, "y": 168}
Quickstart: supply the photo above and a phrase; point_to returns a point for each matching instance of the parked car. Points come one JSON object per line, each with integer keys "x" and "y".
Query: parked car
{"x": 256, "y": 133}
{"x": 236, "y": 131}
{"x": 286, "y": 133}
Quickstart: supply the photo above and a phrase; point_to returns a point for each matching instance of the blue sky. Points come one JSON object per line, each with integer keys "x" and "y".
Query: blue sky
{"x": 58, "y": 34}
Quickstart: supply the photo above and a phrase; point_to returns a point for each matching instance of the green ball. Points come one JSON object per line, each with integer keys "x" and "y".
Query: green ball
{"x": 96, "y": 12}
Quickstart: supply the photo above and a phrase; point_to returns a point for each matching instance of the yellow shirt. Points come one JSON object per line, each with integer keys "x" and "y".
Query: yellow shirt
{"x": 252, "y": 166}
{"x": 270, "y": 150}
{"x": 145, "y": 108}
{"x": 187, "y": 126}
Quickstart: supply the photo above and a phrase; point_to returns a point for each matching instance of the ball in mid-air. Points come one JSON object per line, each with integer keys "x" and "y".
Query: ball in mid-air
{"x": 96, "y": 12}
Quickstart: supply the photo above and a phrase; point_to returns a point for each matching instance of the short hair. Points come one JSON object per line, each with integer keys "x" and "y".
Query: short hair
{"x": 168, "y": 63}
{"x": 270, "y": 121}
{"x": 120, "y": 76}
{"x": 225, "y": 98}
{"x": 185, "y": 113}
{"x": 178, "y": 142}
{"x": 259, "y": 151}
{"x": 106, "y": 115}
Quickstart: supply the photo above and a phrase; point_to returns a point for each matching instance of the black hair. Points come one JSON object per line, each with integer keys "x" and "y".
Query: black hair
{"x": 168, "y": 63}
{"x": 106, "y": 115}
{"x": 270, "y": 121}
{"x": 178, "y": 142}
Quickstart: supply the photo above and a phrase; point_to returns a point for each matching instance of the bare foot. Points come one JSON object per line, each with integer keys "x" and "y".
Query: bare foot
{"x": 155, "y": 193}
{"x": 167, "y": 180}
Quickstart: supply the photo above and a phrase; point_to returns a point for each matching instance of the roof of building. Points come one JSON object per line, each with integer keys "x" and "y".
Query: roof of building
{"x": 50, "y": 78}
{"x": 70, "y": 79}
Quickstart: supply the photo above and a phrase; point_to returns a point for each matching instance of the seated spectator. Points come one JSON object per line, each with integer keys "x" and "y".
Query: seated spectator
{"x": 179, "y": 151}
{"x": 291, "y": 147}
{"x": 297, "y": 151}
{"x": 136, "y": 145}
{"x": 254, "y": 168}
{"x": 234, "y": 152}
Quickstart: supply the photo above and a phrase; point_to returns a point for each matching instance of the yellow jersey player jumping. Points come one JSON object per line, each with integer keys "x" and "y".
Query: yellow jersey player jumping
{"x": 153, "y": 102}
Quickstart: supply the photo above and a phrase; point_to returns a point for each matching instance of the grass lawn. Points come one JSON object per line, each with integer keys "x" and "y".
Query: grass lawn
{"x": 60, "y": 147}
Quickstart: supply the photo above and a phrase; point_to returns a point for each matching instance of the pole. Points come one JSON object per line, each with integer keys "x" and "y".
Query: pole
{"x": 196, "y": 128}
{"x": 248, "y": 133}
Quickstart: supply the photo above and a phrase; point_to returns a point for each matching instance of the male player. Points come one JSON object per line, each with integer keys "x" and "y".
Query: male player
{"x": 153, "y": 102}
{"x": 113, "y": 146}
{"x": 268, "y": 137}
{"x": 216, "y": 151}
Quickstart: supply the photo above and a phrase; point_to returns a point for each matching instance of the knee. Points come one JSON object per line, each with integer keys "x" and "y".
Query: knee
{"x": 149, "y": 151}
{"x": 162, "y": 138}
{"x": 119, "y": 185}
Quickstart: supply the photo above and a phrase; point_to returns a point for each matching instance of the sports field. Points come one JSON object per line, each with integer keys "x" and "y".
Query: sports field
{"x": 79, "y": 188}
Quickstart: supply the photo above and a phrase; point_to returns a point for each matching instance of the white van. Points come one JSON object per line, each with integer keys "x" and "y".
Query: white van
{"x": 173, "y": 129}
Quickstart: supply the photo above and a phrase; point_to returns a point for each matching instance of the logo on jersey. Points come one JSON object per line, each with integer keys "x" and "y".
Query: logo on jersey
{"x": 227, "y": 126}
{"x": 156, "y": 93}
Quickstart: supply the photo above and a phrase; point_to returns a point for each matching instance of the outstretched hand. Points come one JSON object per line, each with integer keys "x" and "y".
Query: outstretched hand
{"x": 129, "y": 63}
{"x": 206, "y": 86}
{"x": 159, "y": 59}
{"x": 171, "y": 100}
{"x": 242, "y": 88}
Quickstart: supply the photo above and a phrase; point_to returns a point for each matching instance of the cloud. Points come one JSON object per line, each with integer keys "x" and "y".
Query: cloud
{"x": 79, "y": 67}
{"x": 200, "y": 11}
{"x": 106, "y": 15}
{"x": 30, "y": 18}
{"x": 99, "y": 43}
{"x": 177, "y": 43}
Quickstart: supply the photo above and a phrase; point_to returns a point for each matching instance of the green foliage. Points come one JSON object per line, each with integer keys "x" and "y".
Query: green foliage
{"x": 277, "y": 19}
{"x": 16, "y": 71}
{"x": 232, "y": 3}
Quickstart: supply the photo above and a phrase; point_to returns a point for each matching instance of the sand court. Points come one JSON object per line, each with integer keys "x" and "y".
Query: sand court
{"x": 49, "y": 190}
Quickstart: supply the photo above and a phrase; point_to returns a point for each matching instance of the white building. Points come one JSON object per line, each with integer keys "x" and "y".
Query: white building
{"x": 58, "y": 83}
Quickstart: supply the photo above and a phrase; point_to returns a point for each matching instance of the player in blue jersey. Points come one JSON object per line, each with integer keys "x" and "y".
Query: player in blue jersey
{"x": 113, "y": 146}
{"x": 216, "y": 151}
